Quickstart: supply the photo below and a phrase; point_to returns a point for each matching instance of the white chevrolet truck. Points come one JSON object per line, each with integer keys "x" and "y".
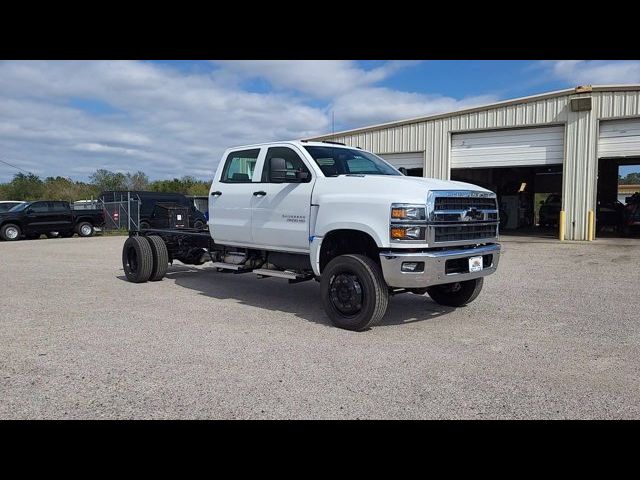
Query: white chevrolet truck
{"x": 304, "y": 210}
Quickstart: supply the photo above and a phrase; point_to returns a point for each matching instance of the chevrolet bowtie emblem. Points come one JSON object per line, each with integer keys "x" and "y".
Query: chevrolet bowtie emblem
{"x": 471, "y": 214}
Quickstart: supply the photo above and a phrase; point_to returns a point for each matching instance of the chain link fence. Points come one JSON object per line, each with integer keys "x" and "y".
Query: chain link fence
{"x": 123, "y": 213}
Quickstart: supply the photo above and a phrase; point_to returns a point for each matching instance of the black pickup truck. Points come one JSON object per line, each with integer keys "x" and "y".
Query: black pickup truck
{"x": 52, "y": 218}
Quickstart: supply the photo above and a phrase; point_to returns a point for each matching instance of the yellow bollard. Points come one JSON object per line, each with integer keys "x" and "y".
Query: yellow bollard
{"x": 561, "y": 225}
{"x": 591, "y": 226}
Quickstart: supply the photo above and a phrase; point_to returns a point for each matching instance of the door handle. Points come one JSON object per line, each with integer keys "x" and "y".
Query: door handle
{"x": 259, "y": 193}
{"x": 216, "y": 193}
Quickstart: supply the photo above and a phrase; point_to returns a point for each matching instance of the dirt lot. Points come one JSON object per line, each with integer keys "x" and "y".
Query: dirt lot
{"x": 554, "y": 334}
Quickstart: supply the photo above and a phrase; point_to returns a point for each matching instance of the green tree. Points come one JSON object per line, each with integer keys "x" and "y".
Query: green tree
{"x": 107, "y": 180}
{"x": 632, "y": 178}
{"x": 25, "y": 186}
{"x": 137, "y": 181}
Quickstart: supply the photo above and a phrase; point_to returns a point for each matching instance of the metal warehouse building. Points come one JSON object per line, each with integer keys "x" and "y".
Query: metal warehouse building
{"x": 567, "y": 143}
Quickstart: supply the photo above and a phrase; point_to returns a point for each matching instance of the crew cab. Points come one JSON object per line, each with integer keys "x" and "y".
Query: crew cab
{"x": 52, "y": 218}
{"x": 304, "y": 210}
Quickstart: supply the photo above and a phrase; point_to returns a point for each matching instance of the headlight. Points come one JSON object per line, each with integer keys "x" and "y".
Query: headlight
{"x": 403, "y": 220}
{"x": 407, "y": 233}
{"x": 400, "y": 212}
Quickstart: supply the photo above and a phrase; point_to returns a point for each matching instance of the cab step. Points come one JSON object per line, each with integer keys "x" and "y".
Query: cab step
{"x": 291, "y": 276}
{"x": 232, "y": 266}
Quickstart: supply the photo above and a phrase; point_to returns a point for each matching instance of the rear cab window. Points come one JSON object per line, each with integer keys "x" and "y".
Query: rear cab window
{"x": 239, "y": 166}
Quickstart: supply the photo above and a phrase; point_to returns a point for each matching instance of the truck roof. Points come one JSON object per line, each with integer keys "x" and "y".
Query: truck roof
{"x": 300, "y": 143}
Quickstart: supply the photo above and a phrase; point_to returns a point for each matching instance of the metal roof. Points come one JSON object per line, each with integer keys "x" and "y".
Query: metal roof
{"x": 530, "y": 98}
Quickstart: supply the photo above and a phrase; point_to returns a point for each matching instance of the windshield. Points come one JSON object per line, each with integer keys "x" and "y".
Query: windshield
{"x": 334, "y": 161}
{"x": 5, "y": 207}
{"x": 20, "y": 207}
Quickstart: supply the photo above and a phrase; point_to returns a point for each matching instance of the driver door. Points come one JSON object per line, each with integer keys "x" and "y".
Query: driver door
{"x": 281, "y": 211}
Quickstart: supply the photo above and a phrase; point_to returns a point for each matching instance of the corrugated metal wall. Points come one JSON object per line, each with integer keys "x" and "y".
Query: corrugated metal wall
{"x": 581, "y": 137}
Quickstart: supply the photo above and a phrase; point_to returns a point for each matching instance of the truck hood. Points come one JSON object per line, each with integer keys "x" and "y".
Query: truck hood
{"x": 396, "y": 188}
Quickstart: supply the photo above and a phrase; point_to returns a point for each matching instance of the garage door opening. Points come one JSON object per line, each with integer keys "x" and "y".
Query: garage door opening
{"x": 530, "y": 198}
{"x": 618, "y": 197}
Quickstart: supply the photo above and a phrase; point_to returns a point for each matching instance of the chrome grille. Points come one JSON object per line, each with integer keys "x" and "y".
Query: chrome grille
{"x": 464, "y": 203}
{"x": 461, "y": 217}
{"x": 456, "y": 233}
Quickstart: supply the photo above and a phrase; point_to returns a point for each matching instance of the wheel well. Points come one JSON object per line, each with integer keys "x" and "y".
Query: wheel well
{"x": 84, "y": 219}
{"x": 13, "y": 222}
{"x": 342, "y": 242}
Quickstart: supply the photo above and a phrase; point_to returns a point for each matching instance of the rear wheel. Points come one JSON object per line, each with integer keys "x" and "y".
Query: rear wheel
{"x": 84, "y": 229}
{"x": 199, "y": 224}
{"x": 144, "y": 225}
{"x": 456, "y": 294}
{"x": 137, "y": 259}
{"x": 160, "y": 258}
{"x": 354, "y": 293}
{"x": 10, "y": 232}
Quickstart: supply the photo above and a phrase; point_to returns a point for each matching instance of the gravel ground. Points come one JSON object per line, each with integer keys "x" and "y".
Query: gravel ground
{"x": 554, "y": 334}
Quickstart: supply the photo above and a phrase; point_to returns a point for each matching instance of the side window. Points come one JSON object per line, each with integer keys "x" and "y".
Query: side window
{"x": 40, "y": 207}
{"x": 239, "y": 166}
{"x": 59, "y": 207}
{"x": 293, "y": 163}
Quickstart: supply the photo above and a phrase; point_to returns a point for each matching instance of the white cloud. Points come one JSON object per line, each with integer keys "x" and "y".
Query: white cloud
{"x": 321, "y": 79}
{"x": 72, "y": 117}
{"x": 593, "y": 72}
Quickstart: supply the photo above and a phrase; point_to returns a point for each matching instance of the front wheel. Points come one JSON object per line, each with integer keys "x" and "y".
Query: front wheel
{"x": 10, "y": 232}
{"x": 354, "y": 292}
{"x": 456, "y": 294}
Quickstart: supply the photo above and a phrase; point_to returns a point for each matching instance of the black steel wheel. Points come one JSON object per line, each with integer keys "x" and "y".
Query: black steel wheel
{"x": 137, "y": 259}
{"x": 354, "y": 293}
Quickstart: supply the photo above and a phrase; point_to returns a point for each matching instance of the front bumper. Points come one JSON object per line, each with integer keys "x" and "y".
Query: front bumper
{"x": 435, "y": 266}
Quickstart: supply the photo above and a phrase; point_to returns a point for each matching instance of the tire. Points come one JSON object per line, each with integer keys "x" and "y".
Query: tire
{"x": 84, "y": 229}
{"x": 199, "y": 224}
{"x": 10, "y": 232}
{"x": 349, "y": 279}
{"x": 144, "y": 225}
{"x": 160, "y": 258}
{"x": 137, "y": 259}
{"x": 456, "y": 294}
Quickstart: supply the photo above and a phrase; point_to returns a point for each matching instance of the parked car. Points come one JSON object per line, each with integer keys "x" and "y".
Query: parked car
{"x": 345, "y": 217}
{"x": 148, "y": 201}
{"x": 608, "y": 214}
{"x": 52, "y": 218}
{"x": 6, "y": 205}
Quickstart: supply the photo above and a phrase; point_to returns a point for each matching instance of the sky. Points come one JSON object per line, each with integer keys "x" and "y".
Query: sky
{"x": 175, "y": 118}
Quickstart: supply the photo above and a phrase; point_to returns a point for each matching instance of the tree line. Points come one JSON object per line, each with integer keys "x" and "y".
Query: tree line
{"x": 28, "y": 186}
{"x": 632, "y": 178}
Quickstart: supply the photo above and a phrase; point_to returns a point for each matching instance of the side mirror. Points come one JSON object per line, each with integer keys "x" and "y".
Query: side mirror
{"x": 403, "y": 171}
{"x": 277, "y": 170}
